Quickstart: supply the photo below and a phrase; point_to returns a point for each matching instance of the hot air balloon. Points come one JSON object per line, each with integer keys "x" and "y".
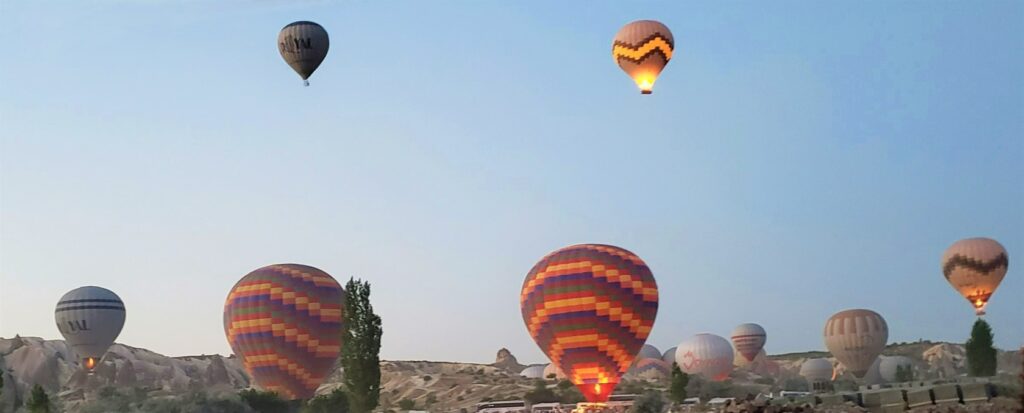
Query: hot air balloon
{"x": 818, "y": 373}
{"x": 533, "y": 372}
{"x": 890, "y": 367}
{"x": 707, "y": 355}
{"x": 303, "y": 45}
{"x": 669, "y": 356}
{"x": 642, "y": 49}
{"x": 552, "y": 371}
{"x": 651, "y": 369}
{"x": 648, "y": 352}
{"x": 90, "y": 319}
{"x": 856, "y": 338}
{"x": 975, "y": 267}
{"x": 590, "y": 308}
{"x": 285, "y": 323}
{"x": 749, "y": 339}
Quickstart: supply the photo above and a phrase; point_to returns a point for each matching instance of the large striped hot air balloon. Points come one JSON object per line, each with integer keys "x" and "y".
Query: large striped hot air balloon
{"x": 856, "y": 338}
{"x": 642, "y": 49}
{"x": 975, "y": 267}
{"x": 590, "y": 308}
{"x": 285, "y": 323}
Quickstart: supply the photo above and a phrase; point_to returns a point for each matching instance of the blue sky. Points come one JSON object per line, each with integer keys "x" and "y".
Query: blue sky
{"x": 796, "y": 159}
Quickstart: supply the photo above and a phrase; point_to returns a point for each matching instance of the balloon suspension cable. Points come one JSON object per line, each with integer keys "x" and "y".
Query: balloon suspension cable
{"x": 305, "y": 82}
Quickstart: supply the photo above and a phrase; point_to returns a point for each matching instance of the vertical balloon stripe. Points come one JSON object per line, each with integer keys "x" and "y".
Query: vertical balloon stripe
{"x": 590, "y": 308}
{"x": 285, "y": 323}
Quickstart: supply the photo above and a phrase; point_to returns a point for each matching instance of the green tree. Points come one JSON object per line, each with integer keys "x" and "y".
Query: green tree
{"x": 360, "y": 352}
{"x": 38, "y": 401}
{"x": 264, "y": 401}
{"x": 540, "y": 393}
{"x": 335, "y": 402}
{"x": 565, "y": 384}
{"x": 677, "y": 390}
{"x": 406, "y": 404}
{"x": 571, "y": 395}
{"x": 981, "y": 355}
{"x": 650, "y": 402}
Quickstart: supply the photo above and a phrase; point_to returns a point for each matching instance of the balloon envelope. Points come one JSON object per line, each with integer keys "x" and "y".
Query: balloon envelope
{"x": 648, "y": 352}
{"x": 709, "y": 355}
{"x": 642, "y": 49}
{"x": 533, "y": 372}
{"x": 975, "y": 267}
{"x": 285, "y": 323}
{"x": 590, "y": 308}
{"x": 651, "y": 369}
{"x": 890, "y": 366}
{"x": 749, "y": 339}
{"x": 303, "y": 45}
{"x": 816, "y": 370}
{"x": 856, "y": 338}
{"x": 669, "y": 356}
{"x": 90, "y": 319}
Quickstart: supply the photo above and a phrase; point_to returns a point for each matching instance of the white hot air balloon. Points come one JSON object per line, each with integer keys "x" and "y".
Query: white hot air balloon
{"x": 533, "y": 372}
{"x": 856, "y": 338}
{"x": 749, "y": 339}
{"x": 706, "y": 354}
{"x": 818, "y": 373}
{"x": 890, "y": 367}
{"x": 553, "y": 370}
{"x": 90, "y": 319}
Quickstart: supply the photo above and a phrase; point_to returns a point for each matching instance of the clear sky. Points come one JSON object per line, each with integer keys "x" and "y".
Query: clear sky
{"x": 796, "y": 159}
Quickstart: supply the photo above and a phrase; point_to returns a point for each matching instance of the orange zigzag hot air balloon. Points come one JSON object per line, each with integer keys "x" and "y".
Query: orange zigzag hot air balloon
{"x": 285, "y": 323}
{"x": 590, "y": 308}
{"x": 642, "y": 49}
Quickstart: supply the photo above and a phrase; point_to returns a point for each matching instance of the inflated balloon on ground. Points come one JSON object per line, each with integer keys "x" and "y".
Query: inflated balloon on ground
{"x": 285, "y": 323}
{"x": 590, "y": 308}
{"x": 705, "y": 354}
{"x": 748, "y": 340}
{"x": 856, "y": 338}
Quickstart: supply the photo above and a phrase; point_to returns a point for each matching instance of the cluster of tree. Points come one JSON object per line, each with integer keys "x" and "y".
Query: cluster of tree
{"x": 904, "y": 373}
{"x": 564, "y": 392}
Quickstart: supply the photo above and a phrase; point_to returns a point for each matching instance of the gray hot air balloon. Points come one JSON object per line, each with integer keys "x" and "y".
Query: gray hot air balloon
{"x": 303, "y": 46}
{"x": 90, "y": 319}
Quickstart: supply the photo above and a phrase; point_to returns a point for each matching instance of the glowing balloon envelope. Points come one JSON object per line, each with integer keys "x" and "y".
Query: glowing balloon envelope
{"x": 590, "y": 308}
{"x": 749, "y": 339}
{"x": 90, "y": 319}
{"x": 642, "y": 49}
{"x": 856, "y": 338}
{"x": 285, "y": 323}
{"x": 975, "y": 267}
{"x": 705, "y": 354}
{"x": 303, "y": 45}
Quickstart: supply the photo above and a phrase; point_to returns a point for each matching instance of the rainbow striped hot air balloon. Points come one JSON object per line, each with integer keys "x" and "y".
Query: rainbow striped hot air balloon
{"x": 590, "y": 308}
{"x": 285, "y": 323}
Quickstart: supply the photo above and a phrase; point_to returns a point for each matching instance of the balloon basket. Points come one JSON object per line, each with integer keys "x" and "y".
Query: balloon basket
{"x": 587, "y": 407}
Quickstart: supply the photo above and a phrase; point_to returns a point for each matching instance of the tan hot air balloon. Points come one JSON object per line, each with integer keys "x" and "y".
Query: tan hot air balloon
{"x": 642, "y": 49}
{"x": 856, "y": 338}
{"x": 303, "y": 45}
{"x": 975, "y": 267}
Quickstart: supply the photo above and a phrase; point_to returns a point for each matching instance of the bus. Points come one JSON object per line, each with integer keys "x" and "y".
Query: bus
{"x": 506, "y": 406}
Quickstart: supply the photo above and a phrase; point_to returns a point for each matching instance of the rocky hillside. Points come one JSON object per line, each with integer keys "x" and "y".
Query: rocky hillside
{"x": 439, "y": 386}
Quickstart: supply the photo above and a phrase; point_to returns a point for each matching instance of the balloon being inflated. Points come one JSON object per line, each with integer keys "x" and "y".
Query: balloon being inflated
{"x": 590, "y": 308}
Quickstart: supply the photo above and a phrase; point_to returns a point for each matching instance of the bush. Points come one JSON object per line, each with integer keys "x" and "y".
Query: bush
{"x": 427, "y": 378}
{"x": 335, "y": 402}
{"x": 540, "y": 394}
{"x": 264, "y": 402}
{"x": 406, "y": 404}
{"x": 649, "y": 402}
